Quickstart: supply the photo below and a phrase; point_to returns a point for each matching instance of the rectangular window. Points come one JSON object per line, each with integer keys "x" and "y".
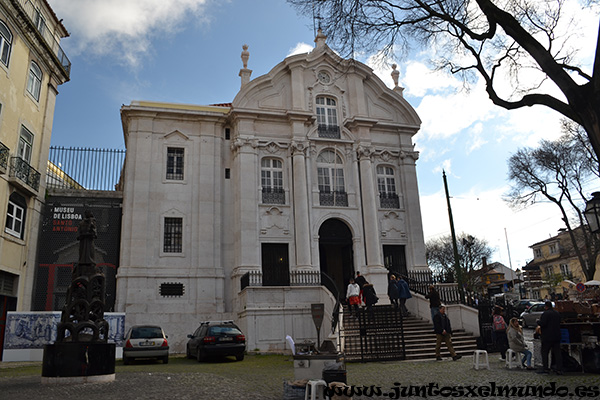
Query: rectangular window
{"x": 553, "y": 248}
{"x": 14, "y": 220}
{"x": 564, "y": 269}
{"x": 173, "y": 235}
{"x": 549, "y": 271}
{"x": 39, "y": 21}
{"x": 537, "y": 253}
{"x": 25, "y": 145}
{"x": 175, "y": 163}
{"x": 34, "y": 81}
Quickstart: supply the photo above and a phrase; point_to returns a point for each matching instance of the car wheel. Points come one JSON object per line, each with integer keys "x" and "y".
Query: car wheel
{"x": 239, "y": 357}
{"x": 165, "y": 359}
{"x": 199, "y": 355}
{"x": 126, "y": 361}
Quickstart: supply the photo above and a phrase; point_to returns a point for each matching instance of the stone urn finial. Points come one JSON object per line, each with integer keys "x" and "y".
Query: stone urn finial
{"x": 245, "y": 56}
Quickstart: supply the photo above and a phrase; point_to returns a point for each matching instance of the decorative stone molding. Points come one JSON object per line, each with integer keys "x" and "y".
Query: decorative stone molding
{"x": 241, "y": 143}
{"x": 298, "y": 148}
{"x": 392, "y": 225}
{"x": 364, "y": 152}
{"x": 275, "y": 222}
{"x": 273, "y": 147}
{"x": 414, "y": 155}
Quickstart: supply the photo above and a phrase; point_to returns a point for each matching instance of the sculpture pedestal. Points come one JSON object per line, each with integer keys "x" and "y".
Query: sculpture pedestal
{"x": 78, "y": 362}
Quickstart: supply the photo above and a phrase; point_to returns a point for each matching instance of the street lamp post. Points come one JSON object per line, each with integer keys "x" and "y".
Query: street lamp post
{"x": 592, "y": 212}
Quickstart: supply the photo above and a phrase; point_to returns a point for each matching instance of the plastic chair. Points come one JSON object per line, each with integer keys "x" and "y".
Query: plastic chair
{"x": 312, "y": 389}
{"x": 480, "y": 359}
{"x": 512, "y": 359}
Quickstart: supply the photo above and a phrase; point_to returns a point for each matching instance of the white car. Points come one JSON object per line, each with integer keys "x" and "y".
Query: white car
{"x": 145, "y": 341}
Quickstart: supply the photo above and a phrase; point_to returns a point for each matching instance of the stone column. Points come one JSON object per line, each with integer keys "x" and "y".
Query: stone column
{"x": 301, "y": 217}
{"x": 369, "y": 207}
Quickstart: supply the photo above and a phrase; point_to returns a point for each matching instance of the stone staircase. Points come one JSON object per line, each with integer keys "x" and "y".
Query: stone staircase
{"x": 419, "y": 339}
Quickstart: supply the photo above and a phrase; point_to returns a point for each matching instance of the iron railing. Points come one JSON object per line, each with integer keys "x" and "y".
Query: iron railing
{"x": 389, "y": 200}
{"x": 84, "y": 168}
{"x": 4, "y": 153}
{"x": 273, "y": 195}
{"x": 21, "y": 170}
{"x": 336, "y": 198}
{"x": 329, "y": 131}
{"x": 34, "y": 16}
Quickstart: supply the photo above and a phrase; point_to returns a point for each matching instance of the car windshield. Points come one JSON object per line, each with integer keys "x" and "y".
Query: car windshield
{"x": 146, "y": 332}
{"x": 223, "y": 330}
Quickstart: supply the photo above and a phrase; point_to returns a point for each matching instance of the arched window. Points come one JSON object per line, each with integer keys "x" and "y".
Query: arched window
{"x": 5, "y": 43}
{"x": 34, "y": 83}
{"x": 271, "y": 180}
{"x": 330, "y": 177}
{"x": 327, "y": 117}
{"x": 386, "y": 184}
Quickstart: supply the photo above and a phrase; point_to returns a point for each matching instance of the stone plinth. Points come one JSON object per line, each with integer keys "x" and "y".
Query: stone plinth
{"x": 64, "y": 362}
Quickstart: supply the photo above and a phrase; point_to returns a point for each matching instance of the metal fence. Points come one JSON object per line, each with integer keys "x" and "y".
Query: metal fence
{"x": 84, "y": 168}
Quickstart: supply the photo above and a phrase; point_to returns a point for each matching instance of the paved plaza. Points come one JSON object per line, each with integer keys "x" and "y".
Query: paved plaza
{"x": 261, "y": 377}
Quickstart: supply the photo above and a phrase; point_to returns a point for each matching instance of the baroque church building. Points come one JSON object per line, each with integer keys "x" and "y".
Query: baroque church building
{"x": 256, "y": 209}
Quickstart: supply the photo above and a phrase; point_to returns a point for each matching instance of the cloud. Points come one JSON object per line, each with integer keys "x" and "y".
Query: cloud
{"x": 124, "y": 29}
{"x": 300, "y": 48}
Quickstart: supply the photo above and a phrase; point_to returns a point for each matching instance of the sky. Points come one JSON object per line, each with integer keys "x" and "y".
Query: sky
{"x": 188, "y": 51}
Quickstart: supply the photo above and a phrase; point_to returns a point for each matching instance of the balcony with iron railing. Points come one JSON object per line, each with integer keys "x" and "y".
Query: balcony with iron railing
{"x": 329, "y": 131}
{"x": 289, "y": 278}
{"x": 4, "y": 153}
{"x": 273, "y": 195}
{"x": 336, "y": 198}
{"x": 33, "y": 14}
{"x": 24, "y": 175}
{"x": 389, "y": 200}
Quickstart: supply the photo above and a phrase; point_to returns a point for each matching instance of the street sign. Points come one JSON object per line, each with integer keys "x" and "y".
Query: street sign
{"x": 580, "y": 287}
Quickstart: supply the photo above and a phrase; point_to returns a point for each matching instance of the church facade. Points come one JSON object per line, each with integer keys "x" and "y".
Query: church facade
{"x": 256, "y": 209}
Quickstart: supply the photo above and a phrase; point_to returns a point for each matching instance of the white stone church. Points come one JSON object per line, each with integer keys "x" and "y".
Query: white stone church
{"x": 232, "y": 211}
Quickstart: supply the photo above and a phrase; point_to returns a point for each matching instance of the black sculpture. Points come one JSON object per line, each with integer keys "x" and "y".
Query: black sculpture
{"x": 81, "y": 348}
{"x": 83, "y": 314}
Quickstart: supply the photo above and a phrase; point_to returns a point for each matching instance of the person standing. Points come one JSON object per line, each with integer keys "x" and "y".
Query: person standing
{"x": 370, "y": 298}
{"x": 360, "y": 281}
{"x": 516, "y": 342}
{"x": 352, "y": 296}
{"x": 499, "y": 331}
{"x": 434, "y": 301}
{"x": 392, "y": 291}
{"x": 403, "y": 295}
{"x": 443, "y": 332}
{"x": 549, "y": 328}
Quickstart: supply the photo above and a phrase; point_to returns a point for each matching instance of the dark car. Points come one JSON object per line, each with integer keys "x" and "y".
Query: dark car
{"x": 145, "y": 341}
{"x": 522, "y": 305}
{"x": 218, "y": 339}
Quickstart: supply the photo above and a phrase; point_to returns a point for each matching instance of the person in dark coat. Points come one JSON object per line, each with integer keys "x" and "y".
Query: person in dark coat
{"x": 392, "y": 291}
{"x": 434, "y": 301}
{"x": 370, "y": 298}
{"x": 549, "y": 329}
{"x": 443, "y": 331}
{"x": 360, "y": 281}
{"x": 403, "y": 294}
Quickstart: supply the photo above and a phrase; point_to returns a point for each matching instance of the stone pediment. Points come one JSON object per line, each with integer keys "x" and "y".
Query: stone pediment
{"x": 176, "y": 136}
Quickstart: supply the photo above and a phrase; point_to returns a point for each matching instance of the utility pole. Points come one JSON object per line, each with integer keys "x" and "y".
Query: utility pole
{"x": 454, "y": 245}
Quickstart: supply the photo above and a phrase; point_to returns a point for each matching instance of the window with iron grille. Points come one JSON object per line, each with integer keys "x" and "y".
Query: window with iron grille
{"x": 327, "y": 117}
{"x": 172, "y": 289}
{"x": 386, "y": 184}
{"x": 271, "y": 180}
{"x": 34, "y": 81}
{"x": 5, "y": 43}
{"x": 175, "y": 163}
{"x": 330, "y": 178}
{"x": 173, "y": 235}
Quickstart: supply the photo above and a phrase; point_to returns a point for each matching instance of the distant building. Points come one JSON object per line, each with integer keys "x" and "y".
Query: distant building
{"x": 233, "y": 210}
{"x": 493, "y": 278}
{"x": 557, "y": 261}
{"x": 32, "y": 66}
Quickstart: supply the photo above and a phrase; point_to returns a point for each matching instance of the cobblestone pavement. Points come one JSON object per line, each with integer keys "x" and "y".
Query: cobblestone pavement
{"x": 186, "y": 379}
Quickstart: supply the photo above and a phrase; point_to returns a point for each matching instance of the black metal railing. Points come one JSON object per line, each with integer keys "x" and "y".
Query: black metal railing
{"x": 34, "y": 17}
{"x": 4, "y": 153}
{"x": 329, "y": 131}
{"x": 273, "y": 195}
{"x": 419, "y": 282}
{"x": 21, "y": 170}
{"x": 84, "y": 168}
{"x": 389, "y": 200}
{"x": 336, "y": 198}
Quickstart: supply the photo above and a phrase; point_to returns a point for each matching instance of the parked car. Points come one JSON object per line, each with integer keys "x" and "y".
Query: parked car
{"x": 522, "y": 305}
{"x": 145, "y": 341}
{"x": 532, "y": 314}
{"x": 216, "y": 338}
